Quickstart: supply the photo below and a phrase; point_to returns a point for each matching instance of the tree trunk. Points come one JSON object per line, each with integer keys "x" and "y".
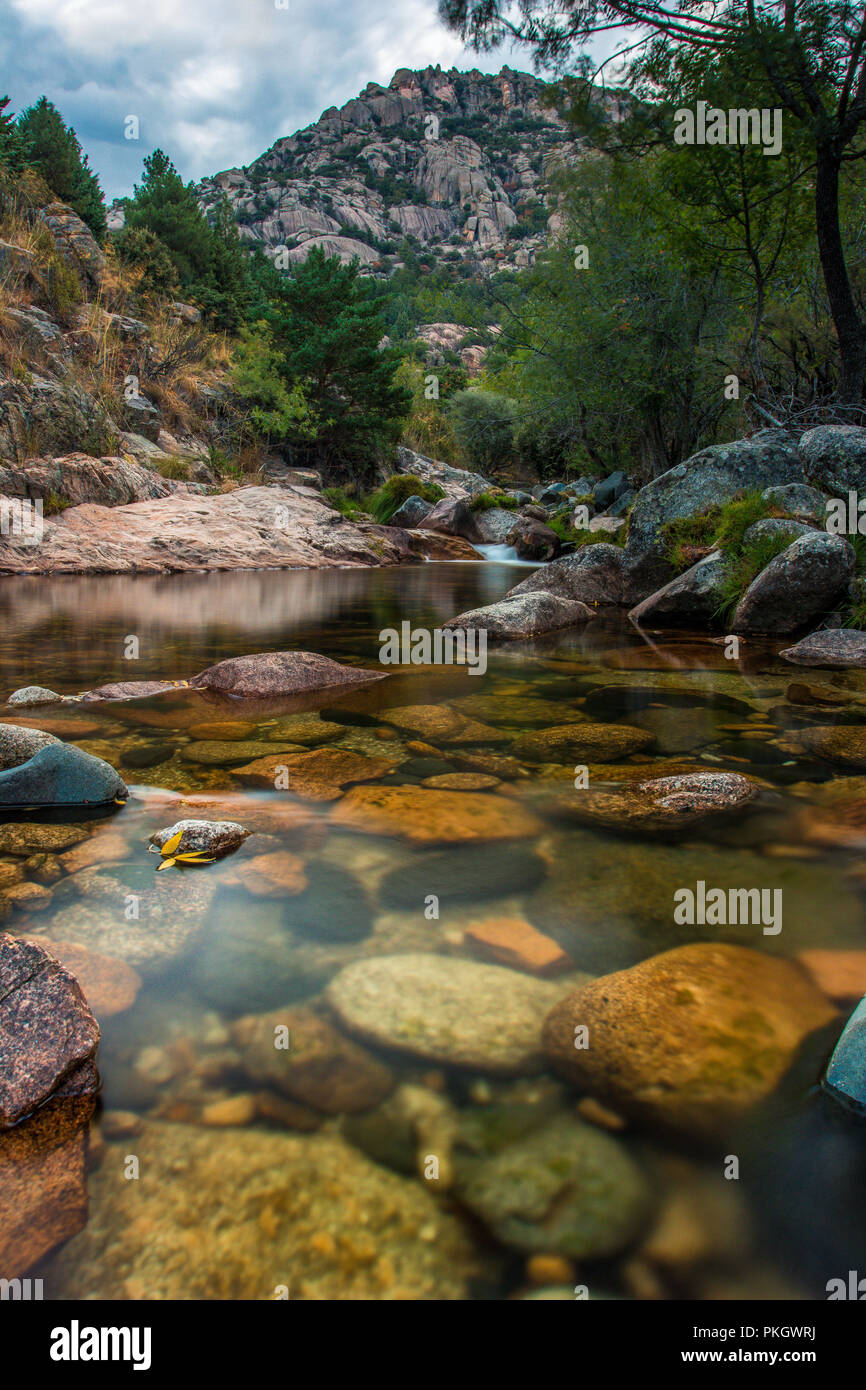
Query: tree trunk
{"x": 850, "y": 330}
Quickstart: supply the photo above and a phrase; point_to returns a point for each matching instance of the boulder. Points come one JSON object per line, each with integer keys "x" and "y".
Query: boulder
{"x": 446, "y": 1010}
{"x": 533, "y": 540}
{"x": 141, "y": 416}
{"x": 78, "y": 478}
{"x": 777, "y": 526}
{"x": 796, "y": 586}
{"x": 411, "y": 513}
{"x": 609, "y": 489}
{"x": 834, "y": 458}
{"x": 47, "y": 1031}
{"x": 845, "y": 1077}
{"x": 708, "y": 478}
{"x": 799, "y": 500}
{"x": 495, "y": 525}
{"x": 664, "y": 805}
{"x": 524, "y": 615}
{"x": 688, "y": 1041}
{"x": 593, "y": 574}
{"x": 55, "y": 774}
{"x": 74, "y": 241}
{"x": 454, "y": 517}
{"x": 832, "y": 648}
{"x": 30, "y": 695}
{"x": 247, "y": 528}
{"x": 692, "y": 599}
{"x": 270, "y": 675}
{"x": 130, "y": 690}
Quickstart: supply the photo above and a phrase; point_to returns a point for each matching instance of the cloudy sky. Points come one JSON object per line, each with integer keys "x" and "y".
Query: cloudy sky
{"x": 214, "y": 82}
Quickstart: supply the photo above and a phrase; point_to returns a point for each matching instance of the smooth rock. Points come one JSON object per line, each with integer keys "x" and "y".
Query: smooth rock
{"x": 434, "y": 817}
{"x": 593, "y": 574}
{"x": 845, "y": 1078}
{"x": 445, "y": 1010}
{"x": 690, "y": 1040}
{"x": 272, "y": 674}
{"x": 566, "y": 1188}
{"x": 318, "y": 775}
{"x": 110, "y": 986}
{"x": 461, "y": 875}
{"x": 523, "y": 615}
{"x": 33, "y": 695}
{"x": 440, "y": 724}
{"x": 796, "y": 586}
{"x": 60, "y": 774}
{"x": 515, "y": 942}
{"x": 833, "y": 648}
{"x": 599, "y": 743}
{"x": 320, "y": 1067}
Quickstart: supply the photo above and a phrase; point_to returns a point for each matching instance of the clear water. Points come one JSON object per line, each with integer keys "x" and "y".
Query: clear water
{"x": 792, "y": 1219}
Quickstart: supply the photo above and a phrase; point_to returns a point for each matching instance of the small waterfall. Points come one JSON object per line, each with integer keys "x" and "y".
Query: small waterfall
{"x": 504, "y": 555}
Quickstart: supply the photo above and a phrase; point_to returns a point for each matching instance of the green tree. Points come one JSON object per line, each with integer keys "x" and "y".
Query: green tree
{"x": 210, "y": 263}
{"x": 804, "y": 57}
{"x": 52, "y": 148}
{"x": 11, "y": 159}
{"x": 483, "y": 423}
{"x": 326, "y": 330}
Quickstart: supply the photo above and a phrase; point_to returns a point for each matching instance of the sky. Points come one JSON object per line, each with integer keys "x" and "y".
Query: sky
{"x": 213, "y": 82}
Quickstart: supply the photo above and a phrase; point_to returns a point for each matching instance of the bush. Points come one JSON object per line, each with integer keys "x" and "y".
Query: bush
{"x": 340, "y": 500}
{"x": 483, "y": 424}
{"x": 388, "y": 499}
{"x": 174, "y": 468}
{"x": 140, "y": 248}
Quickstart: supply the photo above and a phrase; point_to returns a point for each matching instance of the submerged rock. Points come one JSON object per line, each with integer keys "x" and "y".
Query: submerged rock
{"x": 463, "y": 875}
{"x": 317, "y": 775}
{"x": 524, "y": 615}
{"x": 273, "y": 674}
{"x": 319, "y": 1066}
{"x": 110, "y": 986}
{"x": 47, "y": 1031}
{"x": 664, "y": 804}
{"x": 838, "y": 743}
{"x": 566, "y": 1188}
{"x": 832, "y": 648}
{"x": 184, "y": 1233}
{"x": 446, "y": 1010}
{"x": 566, "y": 743}
{"x": 434, "y": 817}
{"x": 441, "y": 724}
{"x": 689, "y": 1040}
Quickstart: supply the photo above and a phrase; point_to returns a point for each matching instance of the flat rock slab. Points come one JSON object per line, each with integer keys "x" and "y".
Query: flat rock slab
{"x": 592, "y": 742}
{"x": 275, "y": 674}
{"x": 47, "y": 1030}
{"x": 446, "y": 1010}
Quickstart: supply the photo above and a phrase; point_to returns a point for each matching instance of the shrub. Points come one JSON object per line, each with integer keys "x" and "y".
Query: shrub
{"x": 340, "y": 500}
{"x": 387, "y": 499}
{"x": 175, "y": 469}
{"x": 483, "y": 424}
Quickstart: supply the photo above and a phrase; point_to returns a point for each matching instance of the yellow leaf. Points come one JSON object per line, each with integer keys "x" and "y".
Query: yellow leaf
{"x": 166, "y": 864}
{"x": 194, "y": 857}
{"x": 171, "y": 845}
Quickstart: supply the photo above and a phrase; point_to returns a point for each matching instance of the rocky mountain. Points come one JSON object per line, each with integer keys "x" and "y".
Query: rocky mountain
{"x": 454, "y": 161}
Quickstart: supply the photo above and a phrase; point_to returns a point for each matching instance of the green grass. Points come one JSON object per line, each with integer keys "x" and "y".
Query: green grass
{"x": 487, "y": 501}
{"x": 386, "y": 500}
{"x": 745, "y": 566}
{"x": 340, "y": 500}
{"x": 720, "y": 527}
{"x": 175, "y": 469}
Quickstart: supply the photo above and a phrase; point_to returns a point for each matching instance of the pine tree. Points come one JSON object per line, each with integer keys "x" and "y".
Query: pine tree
{"x": 52, "y": 148}
{"x": 326, "y": 331}
{"x": 10, "y": 142}
{"x": 210, "y": 262}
